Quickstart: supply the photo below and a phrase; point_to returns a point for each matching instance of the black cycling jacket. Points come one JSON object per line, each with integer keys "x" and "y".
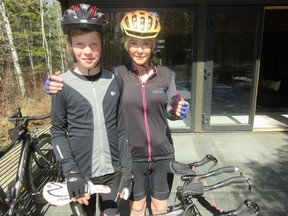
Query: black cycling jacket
{"x": 88, "y": 130}
{"x": 146, "y": 108}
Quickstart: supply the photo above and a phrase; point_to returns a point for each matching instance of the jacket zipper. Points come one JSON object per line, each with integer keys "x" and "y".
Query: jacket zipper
{"x": 144, "y": 101}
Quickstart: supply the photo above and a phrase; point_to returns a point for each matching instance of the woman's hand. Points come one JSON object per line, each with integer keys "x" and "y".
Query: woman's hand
{"x": 180, "y": 107}
{"x": 54, "y": 84}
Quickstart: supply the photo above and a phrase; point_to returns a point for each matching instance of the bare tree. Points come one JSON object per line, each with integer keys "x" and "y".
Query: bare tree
{"x": 15, "y": 58}
{"x": 60, "y": 39}
{"x": 44, "y": 39}
{"x": 30, "y": 53}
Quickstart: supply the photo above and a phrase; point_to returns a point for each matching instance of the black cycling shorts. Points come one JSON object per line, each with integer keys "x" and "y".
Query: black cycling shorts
{"x": 157, "y": 175}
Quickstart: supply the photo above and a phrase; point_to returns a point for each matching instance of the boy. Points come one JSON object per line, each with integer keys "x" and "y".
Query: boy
{"x": 88, "y": 133}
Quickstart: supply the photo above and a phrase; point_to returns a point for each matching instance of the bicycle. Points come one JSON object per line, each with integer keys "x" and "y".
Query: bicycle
{"x": 190, "y": 193}
{"x": 193, "y": 190}
{"x": 37, "y": 165}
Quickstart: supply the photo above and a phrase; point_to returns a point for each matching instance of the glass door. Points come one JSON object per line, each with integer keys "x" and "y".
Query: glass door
{"x": 231, "y": 67}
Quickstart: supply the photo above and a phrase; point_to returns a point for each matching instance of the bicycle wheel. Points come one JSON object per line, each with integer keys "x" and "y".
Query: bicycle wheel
{"x": 3, "y": 206}
{"x": 42, "y": 167}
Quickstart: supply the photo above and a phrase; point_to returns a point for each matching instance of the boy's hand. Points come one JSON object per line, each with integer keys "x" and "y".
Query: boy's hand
{"x": 77, "y": 187}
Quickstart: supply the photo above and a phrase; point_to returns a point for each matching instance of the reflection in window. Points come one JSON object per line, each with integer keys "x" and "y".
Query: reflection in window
{"x": 233, "y": 63}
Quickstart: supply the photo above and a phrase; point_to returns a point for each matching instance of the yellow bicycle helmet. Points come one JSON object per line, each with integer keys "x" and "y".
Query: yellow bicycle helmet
{"x": 141, "y": 24}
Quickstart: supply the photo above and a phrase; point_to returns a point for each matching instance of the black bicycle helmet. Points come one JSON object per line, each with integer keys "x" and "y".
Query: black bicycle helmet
{"x": 83, "y": 16}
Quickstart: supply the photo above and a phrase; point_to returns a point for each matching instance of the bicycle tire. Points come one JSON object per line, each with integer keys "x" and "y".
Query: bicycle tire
{"x": 3, "y": 207}
{"x": 39, "y": 172}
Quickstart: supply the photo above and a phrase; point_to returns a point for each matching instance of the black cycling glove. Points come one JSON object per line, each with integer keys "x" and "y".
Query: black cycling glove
{"x": 76, "y": 184}
{"x": 126, "y": 184}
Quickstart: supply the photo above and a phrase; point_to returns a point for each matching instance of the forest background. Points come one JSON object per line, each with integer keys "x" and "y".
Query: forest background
{"x": 32, "y": 46}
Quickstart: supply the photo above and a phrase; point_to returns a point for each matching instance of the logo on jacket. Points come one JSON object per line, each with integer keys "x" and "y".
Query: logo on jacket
{"x": 112, "y": 93}
{"x": 157, "y": 91}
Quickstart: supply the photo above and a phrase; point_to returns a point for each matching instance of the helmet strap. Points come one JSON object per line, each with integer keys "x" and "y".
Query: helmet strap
{"x": 134, "y": 66}
{"x": 151, "y": 62}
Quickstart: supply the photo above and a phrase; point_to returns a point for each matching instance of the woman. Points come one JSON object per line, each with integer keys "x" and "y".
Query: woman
{"x": 148, "y": 88}
{"x": 148, "y": 99}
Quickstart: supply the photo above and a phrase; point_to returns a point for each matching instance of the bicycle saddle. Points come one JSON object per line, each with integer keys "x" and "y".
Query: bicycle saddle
{"x": 181, "y": 169}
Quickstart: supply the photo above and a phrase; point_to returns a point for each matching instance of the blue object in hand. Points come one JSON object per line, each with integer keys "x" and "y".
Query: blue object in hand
{"x": 184, "y": 111}
{"x": 47, "y": 85}
{"x": 185, "y": 108}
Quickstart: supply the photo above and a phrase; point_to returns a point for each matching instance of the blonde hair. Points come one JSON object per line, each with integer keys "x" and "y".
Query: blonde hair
{"x": 127, "y": 39}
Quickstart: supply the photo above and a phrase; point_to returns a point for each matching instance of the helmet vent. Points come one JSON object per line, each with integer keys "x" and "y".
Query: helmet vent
{"x": 149, "y": 23}
{"x": 142, "y": 23}
{"x": 83, "y": 16}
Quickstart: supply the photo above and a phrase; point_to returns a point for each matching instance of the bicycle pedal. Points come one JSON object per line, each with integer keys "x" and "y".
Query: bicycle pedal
{"x": 7, "y": 201}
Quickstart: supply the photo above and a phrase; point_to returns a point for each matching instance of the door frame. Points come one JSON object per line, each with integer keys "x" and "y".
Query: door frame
{"x": 208, "y": 68}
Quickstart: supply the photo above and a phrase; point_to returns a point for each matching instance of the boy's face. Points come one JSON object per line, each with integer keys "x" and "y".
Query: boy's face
{"x": 86, "y": 49}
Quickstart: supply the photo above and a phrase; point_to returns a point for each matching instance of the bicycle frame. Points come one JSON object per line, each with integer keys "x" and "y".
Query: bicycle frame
{"x": 19, "y": 183}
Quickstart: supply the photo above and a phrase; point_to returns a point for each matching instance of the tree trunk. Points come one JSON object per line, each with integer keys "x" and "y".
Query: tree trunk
{"x": 60, "y": 40}
{"x": 15, "y": 58}
{"x": 44, "y": 39}
{"x": 30, "y": 53}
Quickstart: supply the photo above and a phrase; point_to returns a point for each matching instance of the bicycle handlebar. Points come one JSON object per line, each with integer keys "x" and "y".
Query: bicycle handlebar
{"x": 188, "y": 174}
{"x": 232, "y": 180}
{"x": 205, "y": 160}
{"x": 225, "y": 169}
{"x": 17, "y": 116}
{"x": 187, "y": 170}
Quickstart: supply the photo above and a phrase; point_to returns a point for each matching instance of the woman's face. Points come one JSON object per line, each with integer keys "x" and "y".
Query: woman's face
{"x": 140, "y": 50}
{"x": 86, "y": 49}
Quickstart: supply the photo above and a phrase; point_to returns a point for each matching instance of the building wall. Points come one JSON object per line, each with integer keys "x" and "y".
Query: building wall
{"x": 201, "y": 5}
